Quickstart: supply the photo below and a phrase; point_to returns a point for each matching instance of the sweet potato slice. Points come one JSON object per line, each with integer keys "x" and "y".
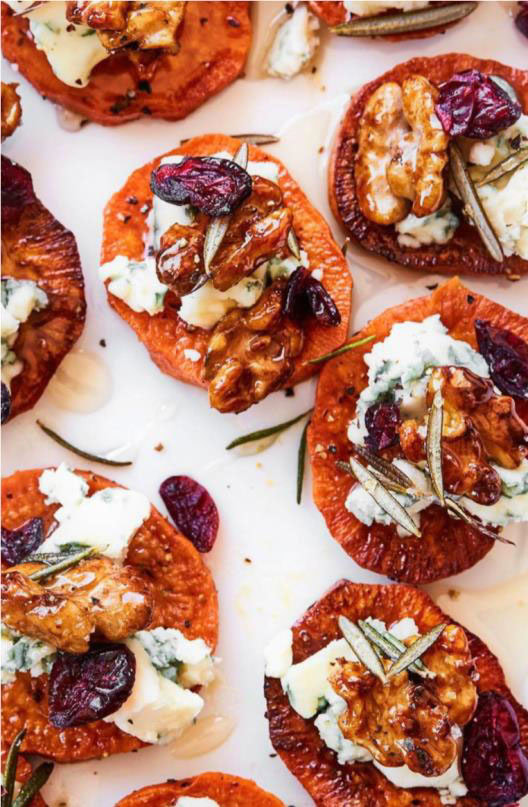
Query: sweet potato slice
{"x": 465, "y": 252}
{"x": 227, "y": 790}
{"x": 35, "y": 246}
{"x": 297, "y": 740}
{"x": 185, "y": 598}
{"x": 165, "y": 336}
{"x": 214, "y": 43}
{"x": 448, "y": 546}
{"x": 333, "y": 12}
{"x": 22, "y": 775}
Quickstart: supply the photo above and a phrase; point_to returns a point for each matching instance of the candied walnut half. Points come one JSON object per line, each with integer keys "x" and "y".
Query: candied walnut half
{"x": 479, "y": 427}
{"x": 179, "y": 263}
{"x": 251, "y": 353}
{"x": 97, "y": 596}
{"x": 451, "y": 660}
{"x": 11, "y": 109}
{"x": 147, "y": 25}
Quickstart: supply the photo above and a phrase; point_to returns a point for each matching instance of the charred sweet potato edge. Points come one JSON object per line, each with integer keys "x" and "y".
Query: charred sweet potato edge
{"x": 185, "y": 598}
{"x": 227, "y": 790}
{"x": 297, "y": 740}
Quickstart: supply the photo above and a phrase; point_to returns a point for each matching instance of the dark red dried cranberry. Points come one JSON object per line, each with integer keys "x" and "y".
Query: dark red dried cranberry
{"x": 91, "y": 685}
{"x": 473, "y": 105}
{"x": 6, "y": 402}
{"x": 507, "y": 357}
{"x": 17, "y": 190}
{"x": 212, "y": 184}
{"x": 521, "y": 20}
{"x": 17, "y": 544}
{"x": 192, "y": 509}
{"x": 306, "y": 297}
{"x": 494, "y": 766}
{"x": 382, "y": 422}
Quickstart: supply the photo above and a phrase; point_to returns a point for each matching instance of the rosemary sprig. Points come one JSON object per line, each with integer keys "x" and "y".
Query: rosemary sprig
{"x": 218, "y": 226}
{"x": 388, "y": 470}
{"x": 415, "y": 650}
{"x": 37, "y": 780}
{"x": 393, "y": 648}
{"x": 67, "y": 563}
{"x": 341, "y": 350}
{"x": 79, "y": 451}
{"x": 470, "y": 519}
{"x": 268, "y": 432}
{"x": 505, "y": 167}
{"x": 301, "y": 457}
{"x": 293, "y": 244}
{"x": 384, "y": 498}
{"x": 362, "y": 648}
{"x": 433, "y": 445}
{"x": 384, "y": 480}
{"x": 10, "y": 768}
{"x": 404, "y": 22}
{"x": 252, "y": 139}
{"x": 49, "y": 558}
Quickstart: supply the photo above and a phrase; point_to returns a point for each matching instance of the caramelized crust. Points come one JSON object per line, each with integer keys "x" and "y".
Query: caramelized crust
{"x": 228, "y": 791}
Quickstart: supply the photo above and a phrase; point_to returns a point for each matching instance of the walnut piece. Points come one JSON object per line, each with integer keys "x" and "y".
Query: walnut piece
{"x": 97, "y": 596}
{"x": 402, "y": 152}
{"x": 251, "y": 353}
{"x": 11, "y": 109}
{"x": 148, "y": 25}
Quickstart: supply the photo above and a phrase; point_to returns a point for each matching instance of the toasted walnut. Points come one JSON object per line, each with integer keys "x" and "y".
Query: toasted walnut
{"x": 118, "y": 25}
{"x": 251, "y": 353}
{"x": 400, "y": 722}
{"x": 111, "y": 16}
{"x": 479, "y": 427}
{"x": 11, "y": 109}
{"x": 402, "y": 152}
{"x": 451, "y": 661}
{"x": 179, "y": 263}
{"x": 97, "y": 596}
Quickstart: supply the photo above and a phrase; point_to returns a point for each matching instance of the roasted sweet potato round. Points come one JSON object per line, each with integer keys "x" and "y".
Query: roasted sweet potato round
{"x": 227, "y": 790}
{"x": 214, "y": 43}
{"x": 297, "y": 740}
{"x": 184, "y": 597}
{"x": 465, "y": 252}
{"x": 35, "y": 246}
{"x": 165, "y": 335}
{"x": 447, "y": 546}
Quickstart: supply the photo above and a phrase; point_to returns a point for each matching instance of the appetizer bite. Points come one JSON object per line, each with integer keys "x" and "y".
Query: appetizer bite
{"x": 43, "y": 305}
{"x": 138, "y": 623}
{"x": 430, "y": 166}
{"x": 419, "y": 438}
{"x": 205, "y": 790}
{"x": 409, "y": 19}
{"x": 376, "y": 697}
{"x": 115, "y": 62}
{"x": 224, "y": 270}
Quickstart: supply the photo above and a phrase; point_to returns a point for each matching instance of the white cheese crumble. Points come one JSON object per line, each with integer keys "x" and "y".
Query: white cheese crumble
{"x": 19, "y": 298}
{"x": 370, "y": 8}
{"x": 191, "y": 354}
{"x": 438, "y": 228}
{"x": 136, "y": 283}
{"x": 192, "y": 801}
{"x": 108, "y": 519}
{"x": 157, "y": 710}
{"x": 278, "y": 654}
{"x": 311, "y": 695}
{"x": 23, "y": 654}
{"x": 294, "y": 44}
{"x": 187, "y": 662}
{"x": 71, "y": 50}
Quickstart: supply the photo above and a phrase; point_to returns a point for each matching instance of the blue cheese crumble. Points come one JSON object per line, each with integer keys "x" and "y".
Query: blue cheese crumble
{"x": 294, "y": 44}
{"x": 22, "y": 654}
{"x": 19, "y": 298}
{"x": 185, "y": 661}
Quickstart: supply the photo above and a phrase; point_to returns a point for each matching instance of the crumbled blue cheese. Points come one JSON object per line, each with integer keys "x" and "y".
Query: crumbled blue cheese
{"x": 192, "y": 801}
{"x": 136, "y": 283}
{"x": 71, "y": 50}
{"x": 108, "y": 519}
{"x": 19, "y": 299}
{"x": 370, "y": 8}
{"x": 187, "y": 662}
{"x": 278, "y": 654}
{"x": 311, "y": 695}
{"x": 438, "y": 228}
{"x": 157, "y": 710}
{"x": 23, "y": 654}
{"x": 514, "y": 481}
{"x": 508, "y": 510}
{"x": 294, "y": 44}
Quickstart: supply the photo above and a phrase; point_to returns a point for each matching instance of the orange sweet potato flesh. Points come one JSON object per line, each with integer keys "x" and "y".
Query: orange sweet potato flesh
{"x": 465, "y": 252}
{"x": 214, "y": 43}
{"x": 165, "y": 336}
{"x": 185, "y": 598}
{"x": 38, "y": 247}
{"x": 297, "y": 740}
{"x": 23, "y": 773}
{"x": 333, "y": 12}
{"x": 228, "y": 791}
{"x": 447, "y": 546}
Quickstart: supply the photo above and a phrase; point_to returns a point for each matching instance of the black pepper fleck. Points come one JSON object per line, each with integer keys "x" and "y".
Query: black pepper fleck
{"x": 470, "y": 298}
{"x": 132, "y": 200}
{"x": 233, "y": 22}
{"x": 289, "y": 392}
{"x": 432, "y": 287}
{"x": 144, "y": 86}
{"x": 102, "y": 342}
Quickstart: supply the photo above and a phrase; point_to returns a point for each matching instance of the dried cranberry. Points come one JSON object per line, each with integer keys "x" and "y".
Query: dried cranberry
{"x": 382, "y": 422}
{"x": 494, "y": 766}
{"x": 6, "y": 402}
{"x": 212, "y": 184}
{"x": 91, "y": 685}
{"x": 507, "y": 357}
{"x": 474, "y": 105}
{"x": 306, "y": 297}
{"x": 17, "y": 190}
{"x": 521, "y": 20}
{"x": 17, "y": 544}
{"x": 192, "y": 509}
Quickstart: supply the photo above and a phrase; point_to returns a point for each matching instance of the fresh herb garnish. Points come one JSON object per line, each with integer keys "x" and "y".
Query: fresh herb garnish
{"x": 262, "y": 433}
{"x": 341, "y": 350}
{"x": 301, "y": 456}
{"x": 362, "y": 648}
{"x": 252, "y": 139}
{"x": 79, "y": 451}
{"x": 39, "y": 777}
{"x": 433, "y": 444}
{"x": 505, "y": 167}
{"x": 392, "y": 647}
{"x": 415, "y": 650}
{"x": 67, "y": 563}
{"x": 405, "y": 21}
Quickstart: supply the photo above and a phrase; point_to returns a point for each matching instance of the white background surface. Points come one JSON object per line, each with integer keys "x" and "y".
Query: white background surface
{"x": 293, "y": 559}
